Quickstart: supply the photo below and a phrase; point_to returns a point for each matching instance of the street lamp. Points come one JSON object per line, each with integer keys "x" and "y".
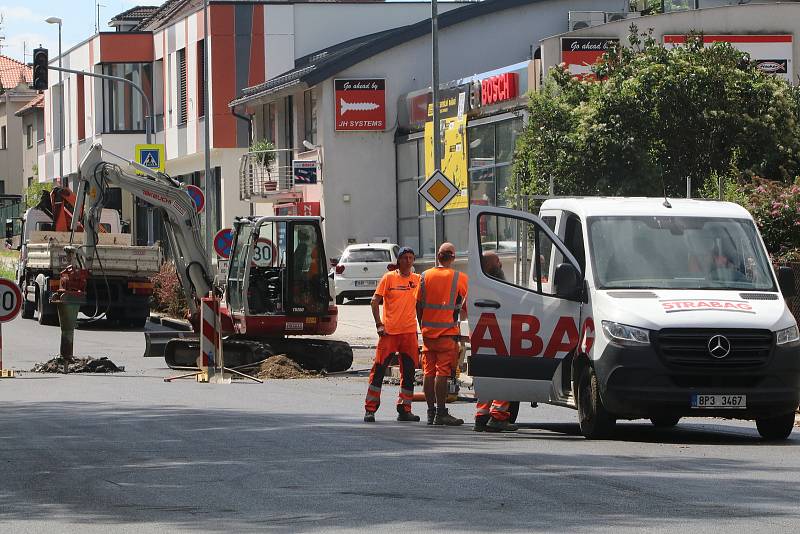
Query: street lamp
{"x": 56, "y": 20}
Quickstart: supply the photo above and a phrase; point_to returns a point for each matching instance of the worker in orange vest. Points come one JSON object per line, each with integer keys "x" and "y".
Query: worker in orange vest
{"x": 441, "y": 300}
{"x": 397, "y": 331}
{"x": 493, "y": 415}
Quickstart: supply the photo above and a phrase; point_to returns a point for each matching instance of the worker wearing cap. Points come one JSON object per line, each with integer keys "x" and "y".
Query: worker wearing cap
{"x": 397, "y": 331}
{"x": 441, "y": 299}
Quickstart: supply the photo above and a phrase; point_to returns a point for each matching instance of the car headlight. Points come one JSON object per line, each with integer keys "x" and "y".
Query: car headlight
{"x": 622, "y": 334}
{"x": 787, "y": 335}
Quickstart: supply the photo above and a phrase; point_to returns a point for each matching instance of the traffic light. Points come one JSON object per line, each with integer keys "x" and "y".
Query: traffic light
{"x": 40, "y": 69}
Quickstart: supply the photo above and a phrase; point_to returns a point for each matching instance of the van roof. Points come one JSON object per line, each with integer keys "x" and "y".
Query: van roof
{"x": 599, "y": 206}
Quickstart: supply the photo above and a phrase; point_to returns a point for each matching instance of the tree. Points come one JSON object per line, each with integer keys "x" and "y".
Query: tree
{"x": 34, "y": 192}
{"x": 653, "y": 117}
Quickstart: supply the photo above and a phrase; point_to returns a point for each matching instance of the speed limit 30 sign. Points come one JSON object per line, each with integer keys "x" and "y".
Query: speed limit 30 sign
{"x": 10, "y": 304}
{"x": 10, "y": 300}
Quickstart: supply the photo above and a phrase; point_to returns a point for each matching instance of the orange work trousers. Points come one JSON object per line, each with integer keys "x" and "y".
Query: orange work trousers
{"x": 405, "y": 345}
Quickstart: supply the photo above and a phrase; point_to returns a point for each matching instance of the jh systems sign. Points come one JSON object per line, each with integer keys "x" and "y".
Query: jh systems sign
{"x": 360, "y": 104}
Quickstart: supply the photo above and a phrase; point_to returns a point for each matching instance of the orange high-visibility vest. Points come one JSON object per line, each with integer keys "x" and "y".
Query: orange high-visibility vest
{"x": 441, "y": 293}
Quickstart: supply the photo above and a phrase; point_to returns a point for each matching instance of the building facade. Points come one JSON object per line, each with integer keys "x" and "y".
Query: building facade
{"x": 32, "y": 116}
{"x": 162, "y": 51}
{"x": 369, "y": 169}
{"x": 15, "y": 93}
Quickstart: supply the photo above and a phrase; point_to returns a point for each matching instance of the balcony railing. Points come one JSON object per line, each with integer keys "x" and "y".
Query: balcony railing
{"x": 267, "y": 175}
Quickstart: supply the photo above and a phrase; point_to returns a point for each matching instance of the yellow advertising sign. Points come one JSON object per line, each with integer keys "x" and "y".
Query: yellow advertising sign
{"x": 454, "y": 157}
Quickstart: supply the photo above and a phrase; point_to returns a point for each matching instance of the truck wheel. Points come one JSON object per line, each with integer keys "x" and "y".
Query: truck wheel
{"x": 28, "y": 308}
{"x": 665, "y": 421}
{"x": 339, "y": 300}
{"x": 513, "y": 411}
{"x": 775, "y": 428}
{"x": 49, "y": 319}
{"x": 594, "y": 420}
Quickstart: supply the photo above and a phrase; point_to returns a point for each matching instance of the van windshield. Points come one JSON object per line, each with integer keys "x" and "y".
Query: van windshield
{"x": 677, "y": 253}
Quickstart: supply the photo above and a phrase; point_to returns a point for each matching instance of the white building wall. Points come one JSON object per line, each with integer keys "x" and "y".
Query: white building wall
{"x": 752, "y": 19}
{"x": 363, "y": 164}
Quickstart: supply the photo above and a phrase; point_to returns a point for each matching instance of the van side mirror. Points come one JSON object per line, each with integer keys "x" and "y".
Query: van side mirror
{"x": 786, "y": 281}
{"x": 567, "y": 282}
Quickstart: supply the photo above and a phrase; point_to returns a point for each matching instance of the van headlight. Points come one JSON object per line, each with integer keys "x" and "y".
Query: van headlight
{"x": 622, "y": 334}
{"x": 787, "y": 335}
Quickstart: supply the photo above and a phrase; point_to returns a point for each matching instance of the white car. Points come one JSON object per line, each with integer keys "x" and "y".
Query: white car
{"x": 361, "y": 267}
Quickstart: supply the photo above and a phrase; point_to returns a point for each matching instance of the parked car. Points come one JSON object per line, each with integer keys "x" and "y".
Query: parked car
{"x": 360, "y": 269}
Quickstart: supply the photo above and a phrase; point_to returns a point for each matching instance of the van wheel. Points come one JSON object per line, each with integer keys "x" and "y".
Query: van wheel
{"x": 665, "y": 421}
{"x": 49, "y": 319}
{"x": 594, "y": 420}
{"x": 339, "y": 300}
{"x": 775, "y": 428}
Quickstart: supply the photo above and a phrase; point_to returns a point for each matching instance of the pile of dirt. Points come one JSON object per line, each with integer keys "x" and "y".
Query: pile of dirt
{"x": 77, "y": 365}
{"x": 281, "y": 367}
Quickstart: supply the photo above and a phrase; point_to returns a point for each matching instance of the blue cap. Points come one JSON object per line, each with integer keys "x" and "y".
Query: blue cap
{"x": 406, "y": 250}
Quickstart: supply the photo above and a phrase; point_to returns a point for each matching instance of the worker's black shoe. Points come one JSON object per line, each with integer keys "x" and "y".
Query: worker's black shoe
{"x": 431, "y": 415}
{"x": 443, "y": 418}
{"x": 369, "y": 417}
{"x": 403, "y": 415}
{"x": 496, "y": 425}
{"x": 480, "y": 423}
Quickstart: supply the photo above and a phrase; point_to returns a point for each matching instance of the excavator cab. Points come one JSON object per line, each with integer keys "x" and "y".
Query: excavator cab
{"x": 277, "y": 282}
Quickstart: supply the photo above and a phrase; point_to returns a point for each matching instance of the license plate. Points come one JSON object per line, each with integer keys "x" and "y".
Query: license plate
{"x": 720, "y": 402}
{"x": 366, "y": 283}
{"x": 294, "y": 325}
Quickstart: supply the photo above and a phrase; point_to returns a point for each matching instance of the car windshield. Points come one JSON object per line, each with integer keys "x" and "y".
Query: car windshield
{"x": 677, "y": 253}
{"x": 367, "y": 255}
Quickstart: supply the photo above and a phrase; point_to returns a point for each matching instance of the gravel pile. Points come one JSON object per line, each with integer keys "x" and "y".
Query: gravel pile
{"x": 77, "y": 365}
{"x": 281, "y": 367}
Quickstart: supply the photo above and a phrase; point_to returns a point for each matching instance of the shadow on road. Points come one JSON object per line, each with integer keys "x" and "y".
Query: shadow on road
{"x": 234, "y": 470}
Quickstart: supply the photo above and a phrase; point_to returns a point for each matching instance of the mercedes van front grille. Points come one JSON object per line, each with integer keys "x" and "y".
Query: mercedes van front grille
{"x": 714, "y": 348}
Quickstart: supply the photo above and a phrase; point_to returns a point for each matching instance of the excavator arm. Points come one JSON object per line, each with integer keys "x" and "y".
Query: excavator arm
{"x": 96, "y": 174}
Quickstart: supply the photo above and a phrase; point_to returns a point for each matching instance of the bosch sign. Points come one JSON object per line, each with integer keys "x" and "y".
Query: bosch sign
{"x": 499, "y": 88}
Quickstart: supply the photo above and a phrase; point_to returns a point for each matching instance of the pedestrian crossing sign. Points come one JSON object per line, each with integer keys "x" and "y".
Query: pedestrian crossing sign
{"x": 151, "y": 156}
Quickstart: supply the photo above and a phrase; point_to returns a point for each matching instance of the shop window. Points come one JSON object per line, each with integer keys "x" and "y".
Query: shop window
{"x": 427, "y": 238}
{"x": 481, "y": 186}
{"x": 504, "y": 141}
{"x": 407, "y": 199}
{"x": 407, "y": 160}
{"x": 456, "y": 229}
{"x": 503, "y": 179}
{"x": 408, "y": 233}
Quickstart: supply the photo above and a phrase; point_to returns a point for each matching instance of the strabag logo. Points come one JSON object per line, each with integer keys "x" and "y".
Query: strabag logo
{"x": 689, "y": 305}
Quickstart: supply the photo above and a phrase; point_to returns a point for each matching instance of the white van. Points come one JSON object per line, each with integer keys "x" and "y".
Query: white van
{"x": 636, "y": 308}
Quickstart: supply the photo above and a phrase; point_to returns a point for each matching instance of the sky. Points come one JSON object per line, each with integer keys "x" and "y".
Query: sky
{"x": 23, "y": 22}
{"x": 24, "y": 27}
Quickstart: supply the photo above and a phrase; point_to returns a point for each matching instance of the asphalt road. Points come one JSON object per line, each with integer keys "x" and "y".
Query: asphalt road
{"x": 131, "y": 453}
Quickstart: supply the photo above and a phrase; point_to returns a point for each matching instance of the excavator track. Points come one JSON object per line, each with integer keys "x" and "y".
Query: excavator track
{"x": 312, "y": 354}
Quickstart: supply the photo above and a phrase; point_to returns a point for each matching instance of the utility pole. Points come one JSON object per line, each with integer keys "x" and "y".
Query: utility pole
{"x": 438, "y": 218}
{"x": 211, "y": 197}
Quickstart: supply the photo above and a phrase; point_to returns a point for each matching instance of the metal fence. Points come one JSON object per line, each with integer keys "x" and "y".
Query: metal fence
{"x": 260, "y": 180}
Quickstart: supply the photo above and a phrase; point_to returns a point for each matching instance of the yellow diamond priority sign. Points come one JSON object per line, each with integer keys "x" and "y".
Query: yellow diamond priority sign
{"x": 438, "y": 191}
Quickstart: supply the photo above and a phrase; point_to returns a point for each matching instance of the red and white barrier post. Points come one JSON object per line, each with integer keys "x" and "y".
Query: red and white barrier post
{"x": 209, "y": 336}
